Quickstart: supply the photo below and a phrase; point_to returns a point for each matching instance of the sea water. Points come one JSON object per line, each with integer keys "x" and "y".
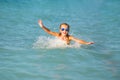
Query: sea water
{"x": 29, "y": 53}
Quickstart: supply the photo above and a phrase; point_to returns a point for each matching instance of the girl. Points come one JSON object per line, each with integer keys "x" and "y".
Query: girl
{"x": 63, "y": 34}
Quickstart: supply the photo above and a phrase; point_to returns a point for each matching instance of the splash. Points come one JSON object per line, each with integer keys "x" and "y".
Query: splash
{"x": 49, "y": 43}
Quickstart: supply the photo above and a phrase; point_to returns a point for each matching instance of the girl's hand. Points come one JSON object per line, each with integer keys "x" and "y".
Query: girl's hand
{"x": 88, "y": 43}
{"x": 40, "y": 23}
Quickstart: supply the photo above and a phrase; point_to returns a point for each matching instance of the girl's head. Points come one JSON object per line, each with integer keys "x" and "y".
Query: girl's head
{"x": 64, "y": 29}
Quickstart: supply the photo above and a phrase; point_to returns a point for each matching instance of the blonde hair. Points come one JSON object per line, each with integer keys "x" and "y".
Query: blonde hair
{"x": 66, "y": 25}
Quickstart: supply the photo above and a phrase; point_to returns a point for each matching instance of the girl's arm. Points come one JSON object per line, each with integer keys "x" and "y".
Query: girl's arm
{"x": 46, "y": 29}
{"x": 80, "y": 41}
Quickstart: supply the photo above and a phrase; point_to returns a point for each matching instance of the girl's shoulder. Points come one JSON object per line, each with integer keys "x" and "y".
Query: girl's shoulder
{"x": 70, "y": 37}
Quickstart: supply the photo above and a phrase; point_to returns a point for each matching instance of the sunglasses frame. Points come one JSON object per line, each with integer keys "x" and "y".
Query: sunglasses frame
{"x": 62, "y": 29}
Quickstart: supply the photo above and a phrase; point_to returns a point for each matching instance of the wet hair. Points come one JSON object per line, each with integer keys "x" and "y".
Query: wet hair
{"x": 67, "y": 26}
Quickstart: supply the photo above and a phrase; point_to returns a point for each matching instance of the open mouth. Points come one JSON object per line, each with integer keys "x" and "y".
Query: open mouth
{"x": 64, "y": 32}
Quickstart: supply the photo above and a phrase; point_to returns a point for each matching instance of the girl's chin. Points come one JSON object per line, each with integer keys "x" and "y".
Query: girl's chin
{"x": 64, "y": 34}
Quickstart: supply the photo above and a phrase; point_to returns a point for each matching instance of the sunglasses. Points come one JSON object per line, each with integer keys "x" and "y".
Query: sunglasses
{"x": 64, "y": 29}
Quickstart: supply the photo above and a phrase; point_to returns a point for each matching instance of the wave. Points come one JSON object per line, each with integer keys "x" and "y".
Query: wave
{"x": 50, "y": 42}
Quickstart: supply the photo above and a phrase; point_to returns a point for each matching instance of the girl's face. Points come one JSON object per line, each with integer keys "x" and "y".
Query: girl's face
{"x": 64, "y": 30}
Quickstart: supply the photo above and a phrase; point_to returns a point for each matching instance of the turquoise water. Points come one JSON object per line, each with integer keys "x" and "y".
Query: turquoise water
{"x": 28, "y": 53}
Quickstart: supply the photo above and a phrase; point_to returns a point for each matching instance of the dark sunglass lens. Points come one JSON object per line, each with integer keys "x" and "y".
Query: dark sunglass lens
{"x": 62, "y": 29}
{"x": 67, "y": 29}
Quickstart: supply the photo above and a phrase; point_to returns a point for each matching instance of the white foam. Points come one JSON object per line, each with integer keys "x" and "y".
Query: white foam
{"x": 47, "y": 42}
